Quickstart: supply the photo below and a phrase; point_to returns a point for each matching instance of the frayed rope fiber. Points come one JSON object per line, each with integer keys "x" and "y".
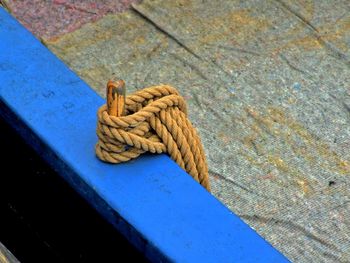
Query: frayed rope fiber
{"x": 155, "y": 121}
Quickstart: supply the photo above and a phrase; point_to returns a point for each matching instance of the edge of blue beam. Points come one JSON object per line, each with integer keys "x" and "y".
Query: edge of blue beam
{"x": 151, "y": 200}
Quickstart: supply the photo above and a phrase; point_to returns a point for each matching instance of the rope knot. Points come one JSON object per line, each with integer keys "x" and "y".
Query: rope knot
{"x": 155, "y": 120}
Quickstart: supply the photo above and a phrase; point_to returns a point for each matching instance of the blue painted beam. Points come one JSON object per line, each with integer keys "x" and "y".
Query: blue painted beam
{"x": 151, "y": 200}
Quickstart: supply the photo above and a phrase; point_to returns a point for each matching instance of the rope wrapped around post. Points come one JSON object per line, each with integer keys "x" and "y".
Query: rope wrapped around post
{"x": 155, "y": 120}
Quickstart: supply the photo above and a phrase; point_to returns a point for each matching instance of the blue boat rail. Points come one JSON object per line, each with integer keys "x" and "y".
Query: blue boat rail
{"x": 151, "y": 200}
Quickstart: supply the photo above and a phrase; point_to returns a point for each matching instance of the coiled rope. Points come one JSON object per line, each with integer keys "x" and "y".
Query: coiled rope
{"x": 155, "y": 121}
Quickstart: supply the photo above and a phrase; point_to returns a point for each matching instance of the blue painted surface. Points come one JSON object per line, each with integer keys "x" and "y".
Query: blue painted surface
{"x": 151, "y": 200}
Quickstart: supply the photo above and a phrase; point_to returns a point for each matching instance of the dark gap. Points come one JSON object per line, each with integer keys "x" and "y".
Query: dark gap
{"x": 42, "y": 219}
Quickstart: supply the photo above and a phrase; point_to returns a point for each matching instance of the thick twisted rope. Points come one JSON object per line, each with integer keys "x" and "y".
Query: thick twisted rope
{"x": 156, "y": 121}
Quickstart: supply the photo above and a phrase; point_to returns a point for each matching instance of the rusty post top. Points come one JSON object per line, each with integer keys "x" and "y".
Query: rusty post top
{"x": 116, "y": 97}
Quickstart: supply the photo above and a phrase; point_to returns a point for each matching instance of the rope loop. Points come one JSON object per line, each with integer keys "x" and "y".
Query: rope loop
{"x": 155, "y": 121}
